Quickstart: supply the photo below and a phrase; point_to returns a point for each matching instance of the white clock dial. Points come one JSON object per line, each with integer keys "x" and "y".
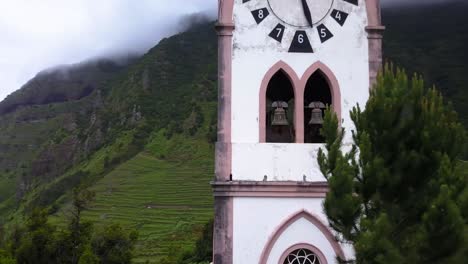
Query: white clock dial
{"x": 303, "y": 17}
{"x": 298, "y": 13}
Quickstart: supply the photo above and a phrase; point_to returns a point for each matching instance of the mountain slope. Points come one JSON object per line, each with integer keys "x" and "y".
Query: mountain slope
{"x": 432, "y": 41}
{"x": 166, "y": 200}
{"x": 46, "y": 127}
{"x": 155, "y": 122}
{"x": 65, "y": 83}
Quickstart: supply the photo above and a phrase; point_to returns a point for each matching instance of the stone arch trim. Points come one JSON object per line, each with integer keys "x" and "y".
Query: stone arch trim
{"x": 317, "y": 252}
{"x": 291, "y": 220}
{"x": 332, "y": 84}
{"x": 299, "y": 85}
{"x": 291, "y": 74}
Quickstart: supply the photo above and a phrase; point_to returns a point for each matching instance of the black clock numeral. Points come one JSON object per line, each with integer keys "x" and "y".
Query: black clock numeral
{"x": 245, "y": 1}
{"x": 278, "y": 32}
{"x": 260, "y": 14}
{"x": 301, "y": 43}
{"x": 354, "y": 2}
{"x": 339, "y": 16}
{"x": 324, "y": 33}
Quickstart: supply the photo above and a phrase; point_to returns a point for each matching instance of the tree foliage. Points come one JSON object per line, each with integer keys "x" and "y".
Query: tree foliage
{"x": 203, "y": 252}
{"x": 395, "y": 193}
{"x": 76, "y": 238}
{"x": 39, "y": 242}
{"x": 114, "y": 245}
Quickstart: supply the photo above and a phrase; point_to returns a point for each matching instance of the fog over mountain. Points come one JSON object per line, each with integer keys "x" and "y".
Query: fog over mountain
{"x": 41, "y": 34}
{"x": 36, "y": 35}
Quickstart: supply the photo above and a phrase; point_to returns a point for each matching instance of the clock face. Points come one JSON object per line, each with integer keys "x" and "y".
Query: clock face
{"x": 296, "y": 13}
{"x": 303, "y": 17}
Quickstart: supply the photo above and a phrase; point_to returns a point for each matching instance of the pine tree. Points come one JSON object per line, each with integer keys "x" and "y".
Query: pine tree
{"x": 77, "y": 236}
{"x": 396, "y": 194}
{"x": 37, "y": 244}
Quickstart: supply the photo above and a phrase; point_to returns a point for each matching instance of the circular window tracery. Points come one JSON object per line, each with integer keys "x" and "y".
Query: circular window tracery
{"x": 302, "y": 256}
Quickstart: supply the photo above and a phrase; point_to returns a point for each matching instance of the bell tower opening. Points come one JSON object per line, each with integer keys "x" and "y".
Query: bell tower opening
{"x": 317, "y": 97}
{"x": 279, "y": 109}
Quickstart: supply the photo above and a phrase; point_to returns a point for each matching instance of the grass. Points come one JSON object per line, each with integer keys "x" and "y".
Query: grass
{"x": 163, "y": 192}
{"x": 165, "y": 198}
{"x": 164, "y": 201}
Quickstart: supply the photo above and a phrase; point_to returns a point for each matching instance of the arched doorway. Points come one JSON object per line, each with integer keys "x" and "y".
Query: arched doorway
{"x": 317, "y": 97}
{"x": 329, "y": 245}
{"x": 279, "y": 103}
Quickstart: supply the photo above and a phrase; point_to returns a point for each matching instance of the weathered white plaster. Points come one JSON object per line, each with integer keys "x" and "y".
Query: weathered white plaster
{"x": 256, "y": 219}
{"x": 279, "y": 162}
{"x": 302, "y": 231}
{"x": 346, "y": 54}
{"x": 254, "y": 53}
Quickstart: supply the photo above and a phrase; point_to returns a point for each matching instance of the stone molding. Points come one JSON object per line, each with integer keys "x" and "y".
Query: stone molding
{"x": 267, "y": 189}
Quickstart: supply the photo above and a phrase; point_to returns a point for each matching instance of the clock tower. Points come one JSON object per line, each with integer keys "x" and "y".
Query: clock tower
{"x": 281, "y": 63}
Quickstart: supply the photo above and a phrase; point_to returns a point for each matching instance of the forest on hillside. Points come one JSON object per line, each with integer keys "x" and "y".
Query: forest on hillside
{"x": 431, "y": 41}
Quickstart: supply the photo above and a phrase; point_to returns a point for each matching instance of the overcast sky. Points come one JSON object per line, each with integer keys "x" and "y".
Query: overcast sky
{"x": 39, "y": 34}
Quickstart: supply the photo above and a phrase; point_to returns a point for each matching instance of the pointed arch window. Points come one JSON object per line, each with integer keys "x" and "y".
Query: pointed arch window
{"x": 317, "y": 97}
{"x": 280, "y": 103}
{"x": 302, "y": 256}
{"x": 299, "y": 97}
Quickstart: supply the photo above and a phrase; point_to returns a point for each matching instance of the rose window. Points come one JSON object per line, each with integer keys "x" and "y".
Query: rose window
{"x": 302, "y": 256}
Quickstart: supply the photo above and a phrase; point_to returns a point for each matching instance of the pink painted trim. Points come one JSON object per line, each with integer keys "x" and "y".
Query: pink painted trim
{"x": 272, "y": 194}
{"x": 223, "y": 164}
{"x": 223, "y": 219}
{"x": 334, "y": 89}
{"x": 291, "y": 220}
{"x": 320, "y": 255}
{"x": 291, "y": 74}
{"x": 373, "y": 12}
{"x": 299, "y": 89}
{"x": 225, "y": 11}
{"x": 270, "y": 189}
{"x": 375, "y": 34}
{"x": 223, "y": 230}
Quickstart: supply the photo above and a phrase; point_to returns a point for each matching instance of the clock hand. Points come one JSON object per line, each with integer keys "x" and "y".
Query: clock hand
{"x": 307, "y": 13}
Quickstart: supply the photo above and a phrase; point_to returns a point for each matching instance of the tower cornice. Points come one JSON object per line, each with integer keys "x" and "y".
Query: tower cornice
{"x": 289, "y": 189}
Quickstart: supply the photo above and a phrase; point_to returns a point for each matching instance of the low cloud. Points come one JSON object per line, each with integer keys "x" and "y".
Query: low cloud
{"x": 38, "y": 34}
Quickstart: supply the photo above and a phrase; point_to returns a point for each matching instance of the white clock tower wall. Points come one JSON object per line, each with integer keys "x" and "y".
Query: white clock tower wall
{"x": 346, "y": 54}
{"x": 269, "y": 196}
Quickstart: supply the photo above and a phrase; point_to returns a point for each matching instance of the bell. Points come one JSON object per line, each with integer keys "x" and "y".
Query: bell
{"x": 316, "y": 118}
{"x": 279, "y": 117}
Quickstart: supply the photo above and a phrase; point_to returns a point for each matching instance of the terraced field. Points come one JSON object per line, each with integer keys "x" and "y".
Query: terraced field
{"x": 166, "y": 201}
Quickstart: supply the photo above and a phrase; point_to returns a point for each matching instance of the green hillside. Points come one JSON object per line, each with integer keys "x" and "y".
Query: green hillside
{"x": 432, "y": 41}
{"x": 152, "y": 127}
{"x": 46, "y": 127}
{"x": 166, "y": 200}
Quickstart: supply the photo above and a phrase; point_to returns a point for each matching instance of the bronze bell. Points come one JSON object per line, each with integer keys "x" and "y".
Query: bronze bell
{"x": 279, "y": 116}
{"x": 317, "y": 116}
